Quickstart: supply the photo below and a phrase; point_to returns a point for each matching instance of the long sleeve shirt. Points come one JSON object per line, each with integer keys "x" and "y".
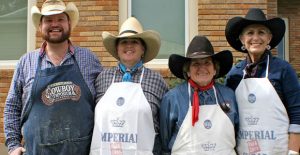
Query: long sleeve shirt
{"x": 20, "y": 89}
{"x": 153, "y": 85}
{"x": 283, "y": 78}
{"x": 175, "y": 105}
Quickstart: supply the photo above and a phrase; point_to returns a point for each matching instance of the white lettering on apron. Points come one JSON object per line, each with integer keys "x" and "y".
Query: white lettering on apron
{"x": 123, "y": 122}
{"x": 263, "y": 118}
{"x": 213, "y": 134}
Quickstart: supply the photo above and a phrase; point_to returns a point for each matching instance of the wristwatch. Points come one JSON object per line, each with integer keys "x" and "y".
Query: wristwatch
{"x": 291, "y": 152}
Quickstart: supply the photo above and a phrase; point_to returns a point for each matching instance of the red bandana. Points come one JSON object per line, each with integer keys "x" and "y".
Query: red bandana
{"x": 196, "y": 100}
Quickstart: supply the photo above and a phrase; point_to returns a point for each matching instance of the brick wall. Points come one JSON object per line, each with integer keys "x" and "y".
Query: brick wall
{"x": 214, "y": 14}
{"x": 5, "y": 79}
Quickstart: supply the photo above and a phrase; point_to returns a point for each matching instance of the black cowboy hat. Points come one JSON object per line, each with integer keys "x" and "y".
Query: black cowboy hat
{"x": 235, "y": 26}
{"x": 200, "y": 47}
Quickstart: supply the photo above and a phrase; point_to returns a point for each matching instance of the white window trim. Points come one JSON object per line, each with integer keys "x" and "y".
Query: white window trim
{"x": 191, "y": 24}
{"x": 31, "y": 38}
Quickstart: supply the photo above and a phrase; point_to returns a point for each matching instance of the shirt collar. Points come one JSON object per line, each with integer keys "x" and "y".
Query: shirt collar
{"x": 44, "y": 44}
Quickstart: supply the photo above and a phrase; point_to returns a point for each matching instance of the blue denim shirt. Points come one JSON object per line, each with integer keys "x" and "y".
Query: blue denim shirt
{"x": 283, "y": 78}
{"x": 175, "y": 105}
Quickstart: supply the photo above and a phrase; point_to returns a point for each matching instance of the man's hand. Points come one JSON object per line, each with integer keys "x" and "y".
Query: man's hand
{"x": 18, "y": 151}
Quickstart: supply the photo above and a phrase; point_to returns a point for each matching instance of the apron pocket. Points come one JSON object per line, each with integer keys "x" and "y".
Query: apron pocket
{"x": 76, "y": 146}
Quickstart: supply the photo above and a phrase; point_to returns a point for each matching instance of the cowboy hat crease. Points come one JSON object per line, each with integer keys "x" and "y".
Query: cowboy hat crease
{"x": 235, "y": 26}
{"x": 200, "y": 47}
{"x": 53, "y": 7}
{"x": 132, "y": 28}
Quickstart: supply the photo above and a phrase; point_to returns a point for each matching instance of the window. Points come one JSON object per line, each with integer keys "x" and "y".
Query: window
{"x": 175, "y": 20}
{"x": 14, "y": 30}
{"x": 283, "y": 46}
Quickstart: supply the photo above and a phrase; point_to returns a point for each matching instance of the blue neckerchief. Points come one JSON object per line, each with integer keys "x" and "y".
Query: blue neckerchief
{"x": 127, "y": 71}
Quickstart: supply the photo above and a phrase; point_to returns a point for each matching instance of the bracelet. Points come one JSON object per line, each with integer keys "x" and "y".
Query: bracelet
{"x": 291, "y": 152}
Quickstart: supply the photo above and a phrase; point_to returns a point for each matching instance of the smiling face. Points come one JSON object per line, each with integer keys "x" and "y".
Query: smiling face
{"x": 130, "y": 51}
{"x": 256, "y": 38}
{"x": 202, "y": 71}
{"x": 55, "y": 28}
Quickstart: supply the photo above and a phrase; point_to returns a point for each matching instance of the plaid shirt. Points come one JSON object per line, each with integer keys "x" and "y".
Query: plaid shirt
{"x": 153, "y": 85}
{"x": 20, "y": 89}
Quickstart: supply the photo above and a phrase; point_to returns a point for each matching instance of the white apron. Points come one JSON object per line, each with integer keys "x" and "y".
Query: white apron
{"x": 213, "y": 134}
{"x": 263, "y": 118}
{"x": 123, "y": 122}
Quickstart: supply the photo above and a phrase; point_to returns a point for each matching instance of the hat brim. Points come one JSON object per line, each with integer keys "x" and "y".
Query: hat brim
{"x": 225, "y": 59}
{"x": 151, "y": 39}
{"x": 235, "y": 26}
{"x": 71, "y": 10}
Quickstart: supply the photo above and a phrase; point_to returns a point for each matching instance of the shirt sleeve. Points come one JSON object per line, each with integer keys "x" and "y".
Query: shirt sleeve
{"x": 12, "y": 111}
{"x": 291, "y": 91}
{"x": 167, "y": 123}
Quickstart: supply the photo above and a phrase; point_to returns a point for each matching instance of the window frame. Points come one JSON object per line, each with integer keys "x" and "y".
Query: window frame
{"x": 31, "y": 38}
{"x": 191, "y": 26}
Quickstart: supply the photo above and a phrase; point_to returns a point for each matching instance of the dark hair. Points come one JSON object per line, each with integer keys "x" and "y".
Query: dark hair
{"x": 186, "y": 68}
{"x": 140, "y": 39}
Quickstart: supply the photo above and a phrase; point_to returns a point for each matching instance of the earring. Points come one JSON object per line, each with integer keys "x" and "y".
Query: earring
{"x": 268, "y": 47}
{"x": 243, "y": 48}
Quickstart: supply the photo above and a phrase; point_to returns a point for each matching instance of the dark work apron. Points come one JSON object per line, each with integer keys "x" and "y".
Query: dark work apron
{"x": 60, "y": 119}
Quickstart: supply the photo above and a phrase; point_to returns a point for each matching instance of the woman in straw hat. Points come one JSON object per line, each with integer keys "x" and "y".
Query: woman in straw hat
{"x": 267, "y": 88}
{"x": 198, "y": 117}
{"x": 129, "y": 95}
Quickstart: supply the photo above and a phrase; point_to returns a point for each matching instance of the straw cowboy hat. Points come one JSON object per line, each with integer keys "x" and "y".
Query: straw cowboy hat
{"x": 236, "y": 25}
{"x": 132, "y": 28}
{"x": 200, "y": 47}
{"x": 53, "y": 7}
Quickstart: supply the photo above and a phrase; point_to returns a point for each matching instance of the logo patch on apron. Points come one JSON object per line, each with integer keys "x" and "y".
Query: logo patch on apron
{"x": 251, "y": 98}
{"x": 120, "y": 101}
{"x": 61, "y": 91}
{"x": 207, "y": 124}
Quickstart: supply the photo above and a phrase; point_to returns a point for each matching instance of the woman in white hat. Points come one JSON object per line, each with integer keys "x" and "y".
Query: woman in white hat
{"x": 267, "y": 88}
{"x": 198, "y": 117}
{"x": 129, "y": 95}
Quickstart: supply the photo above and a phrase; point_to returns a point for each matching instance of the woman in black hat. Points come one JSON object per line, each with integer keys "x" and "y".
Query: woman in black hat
{"x": 267, "y": 88}
{"x": 198, "y": 116}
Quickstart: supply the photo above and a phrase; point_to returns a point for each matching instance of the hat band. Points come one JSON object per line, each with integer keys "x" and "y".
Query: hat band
{"x": 128, "y": 31}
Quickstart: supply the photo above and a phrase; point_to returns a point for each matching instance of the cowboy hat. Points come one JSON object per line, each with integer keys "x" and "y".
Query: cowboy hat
{"x": 200, "y": 47}
{"x": 53, "y": 7}
{"x": 236, "y": 25}
{"x": 132, "y": 28}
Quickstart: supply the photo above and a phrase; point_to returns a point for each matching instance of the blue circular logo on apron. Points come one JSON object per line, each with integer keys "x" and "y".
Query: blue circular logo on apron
{"x": 120, "y": 101}
{"x": 251, "y": 98}
{"x": 207, "y": 124}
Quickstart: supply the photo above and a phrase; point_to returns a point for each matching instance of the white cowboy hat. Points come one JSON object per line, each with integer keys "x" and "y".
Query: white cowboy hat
{"x": 53, "y": 7}
{"x": 132, "y": 28}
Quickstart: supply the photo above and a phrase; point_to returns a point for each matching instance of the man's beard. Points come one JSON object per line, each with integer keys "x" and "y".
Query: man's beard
{"x": 65, "y": 36}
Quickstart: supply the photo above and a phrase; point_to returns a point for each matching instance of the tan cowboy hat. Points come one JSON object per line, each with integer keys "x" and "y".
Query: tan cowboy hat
{"x": 132, "y": 28}
{"x": 53, "y": 7}
{"x": 235, "y": 26}
{"x": 200, "y": 47}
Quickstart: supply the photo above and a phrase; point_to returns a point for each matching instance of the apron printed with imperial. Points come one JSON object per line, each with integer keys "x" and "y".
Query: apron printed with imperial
{"x": 213, "y": 134}
{"x": 60, "y": 120}
{"x": 123, "y": 121}
{"x": 263, "y": 118}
